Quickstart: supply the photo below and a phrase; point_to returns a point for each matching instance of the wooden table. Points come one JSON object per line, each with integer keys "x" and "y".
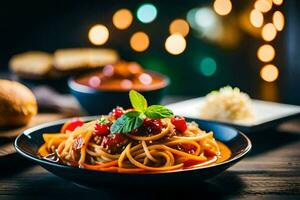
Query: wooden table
{"x": 272, "y": 170}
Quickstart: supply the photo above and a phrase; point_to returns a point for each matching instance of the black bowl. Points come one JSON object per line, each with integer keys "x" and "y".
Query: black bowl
{"x": 95, "y": 101}
{"x": 29, "y": 141}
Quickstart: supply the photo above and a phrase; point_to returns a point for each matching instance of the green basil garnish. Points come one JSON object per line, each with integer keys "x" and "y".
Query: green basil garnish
{"x": 138, "y": 101}
{"x": 134, "y": 119}
{"x": 127, "y": 122}
{"x": 158, "y": 112}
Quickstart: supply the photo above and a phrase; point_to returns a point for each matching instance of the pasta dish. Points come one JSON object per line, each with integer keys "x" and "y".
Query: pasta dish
{"x": 142, "y": 139}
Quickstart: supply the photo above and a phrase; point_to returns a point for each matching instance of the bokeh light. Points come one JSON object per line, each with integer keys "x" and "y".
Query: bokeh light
{"x": 191, "y": 18}
{"x": 108, "y": 70}
{"x": 146, "y": 13}
{"x": 278, "y": 20}
{"x": 256, "y": 18}
{"x": 122, "y": 19}
{"x": 269, "y": 73}
{"x": 94, "y": 81}
{"x": 208, "y": 66}
{"x": 266, "y": 53}
{"x": 98, "y": 34}
{"x": 222, "y": 7}
{"x": 263, "y": 5}
{"x": 179, "y": 26}
{"x": 278, "y": 2}
{"x": 145, "y": 79}
{"x": 268, "y": 32}
{"x": 139, "y": 41}
{"x": 208, "y": 25}
{"x": 205, "y": 18}
{"x": 175, "y": 44}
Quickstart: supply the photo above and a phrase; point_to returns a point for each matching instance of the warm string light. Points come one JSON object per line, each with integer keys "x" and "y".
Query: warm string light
{"x": 263, "y": 5}
{"x": 222, "y": 7}
{"x": 179, "y": 26}
{"x": 175, "y": 44}
{"x": 269, "y": 73}
{"x": 278, "y": 20}
{"x": 122, "y": 19}
{"x": 266, "y": 53}
{"x": 256, "y": 18}
{"x": 203, "y": 18}
{"x": 278, "y": 2}
{"x": 139, "y": 41}
{"x": 268, "y": 32}
{"x": 98, "y": 34}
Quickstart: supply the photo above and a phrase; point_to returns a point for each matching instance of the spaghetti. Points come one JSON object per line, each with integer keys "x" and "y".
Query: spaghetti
{"x": 156, "y": 145}
{"x": 164, "y": 151}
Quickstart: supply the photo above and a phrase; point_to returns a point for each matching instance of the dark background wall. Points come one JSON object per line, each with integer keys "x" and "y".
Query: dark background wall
{"x": 51, "y": 24}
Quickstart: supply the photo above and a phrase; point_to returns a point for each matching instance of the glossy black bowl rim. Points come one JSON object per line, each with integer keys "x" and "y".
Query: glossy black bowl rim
{"x": 73, "y": 85}
{"x": 88, "y": 118}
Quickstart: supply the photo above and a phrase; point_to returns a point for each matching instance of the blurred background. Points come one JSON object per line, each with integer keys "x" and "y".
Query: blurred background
{"x": 200, "y": 44}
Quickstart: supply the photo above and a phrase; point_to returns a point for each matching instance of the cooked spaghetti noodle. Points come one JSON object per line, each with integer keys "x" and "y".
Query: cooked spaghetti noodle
{"x": 144, "y": 139}
{"x": 137, "y": 152}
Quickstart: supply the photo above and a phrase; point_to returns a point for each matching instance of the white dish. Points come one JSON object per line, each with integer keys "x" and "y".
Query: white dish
{"x": 267, "y": 114}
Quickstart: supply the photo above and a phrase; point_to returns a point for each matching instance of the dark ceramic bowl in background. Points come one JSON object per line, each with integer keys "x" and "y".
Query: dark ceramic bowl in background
{"x": 95, "y": 101}
{"x": 29, "y": 141}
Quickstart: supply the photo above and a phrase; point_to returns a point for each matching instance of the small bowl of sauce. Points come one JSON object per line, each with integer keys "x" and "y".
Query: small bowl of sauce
{"x": 101, "y": 90}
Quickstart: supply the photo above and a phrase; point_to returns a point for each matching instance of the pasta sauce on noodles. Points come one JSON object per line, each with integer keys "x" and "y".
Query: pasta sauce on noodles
{"x": 167, "y": 150}
{"x": 156, "y": 145}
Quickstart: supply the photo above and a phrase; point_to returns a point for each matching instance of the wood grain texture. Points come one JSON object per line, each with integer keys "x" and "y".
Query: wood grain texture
{"x": 271, "y": 171}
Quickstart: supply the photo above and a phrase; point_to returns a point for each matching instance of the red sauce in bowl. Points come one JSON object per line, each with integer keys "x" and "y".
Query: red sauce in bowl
{"x": 123, "y": 76}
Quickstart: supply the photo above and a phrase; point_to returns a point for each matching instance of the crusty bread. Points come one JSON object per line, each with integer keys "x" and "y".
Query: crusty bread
{"x": 31, "y": 63}
{"x": 83, "y": 58}
{"x": 17, "y": 104}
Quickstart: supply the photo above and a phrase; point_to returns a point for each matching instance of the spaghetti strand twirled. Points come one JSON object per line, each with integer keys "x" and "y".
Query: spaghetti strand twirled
{"x": 137, "y": 152}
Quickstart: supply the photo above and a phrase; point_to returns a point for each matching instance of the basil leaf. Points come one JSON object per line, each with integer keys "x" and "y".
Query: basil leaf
{"x": 127, "y": 122}
{"x": 158, "y": 111}
{"x": 138, "y": 101}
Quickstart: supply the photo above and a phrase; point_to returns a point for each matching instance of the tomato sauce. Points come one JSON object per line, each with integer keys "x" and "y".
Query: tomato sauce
{"x": 123, "y": 76}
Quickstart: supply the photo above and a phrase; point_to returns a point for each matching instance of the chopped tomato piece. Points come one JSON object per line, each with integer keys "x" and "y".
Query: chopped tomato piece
{"x": 179, "y": 123}
{"x": 71, "y": 125}
{"x": 114, "y": 142}
{"x": 189, "y": 148}
{"x": 101, "y": 129}
{"x": 151, "y": 126}
{"x": 117, "y": 112}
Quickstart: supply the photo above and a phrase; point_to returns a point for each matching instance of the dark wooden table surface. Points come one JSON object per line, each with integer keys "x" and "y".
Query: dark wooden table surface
{"x": 272, "y": 170}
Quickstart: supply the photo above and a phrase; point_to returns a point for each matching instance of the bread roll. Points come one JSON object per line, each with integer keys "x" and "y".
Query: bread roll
{"x": 83, "y": 58}
{"x": 33, "y": 64}
{"x": 17, "y": 104}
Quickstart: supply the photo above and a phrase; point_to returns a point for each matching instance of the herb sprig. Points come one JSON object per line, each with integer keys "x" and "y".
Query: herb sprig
{"x": 134, "y": 119}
